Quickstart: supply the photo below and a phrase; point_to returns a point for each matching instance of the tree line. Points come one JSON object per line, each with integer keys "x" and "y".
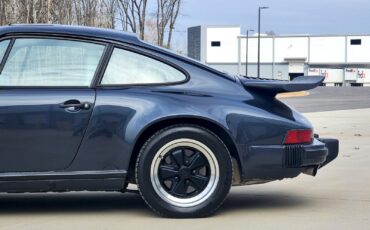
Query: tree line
{"x": 155, "y": 25}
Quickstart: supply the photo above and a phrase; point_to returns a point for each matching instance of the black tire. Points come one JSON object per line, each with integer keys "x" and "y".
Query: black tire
{"x": 209, "y": 192}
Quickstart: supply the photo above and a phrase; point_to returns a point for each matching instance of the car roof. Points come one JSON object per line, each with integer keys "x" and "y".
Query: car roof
{"x": 85, "y": 31}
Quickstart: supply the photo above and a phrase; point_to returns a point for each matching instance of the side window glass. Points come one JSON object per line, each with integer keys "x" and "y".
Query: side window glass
{"x": 51, "y": 62}
{"x": 126, "y": 67}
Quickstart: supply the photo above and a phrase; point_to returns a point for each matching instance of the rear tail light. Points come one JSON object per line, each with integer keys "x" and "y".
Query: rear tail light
{"x": 301, "y": 136}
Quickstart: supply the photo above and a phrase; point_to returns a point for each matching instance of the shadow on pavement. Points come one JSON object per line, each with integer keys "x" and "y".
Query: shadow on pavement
{"x": 236, "y": 202}
{"x": 83, "y": 203}
{"x": 76, "y": 202}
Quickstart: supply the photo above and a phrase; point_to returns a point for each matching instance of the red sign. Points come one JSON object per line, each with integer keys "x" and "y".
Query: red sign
{"x": 362, "y": 74}
{"x": 325, "y": 74}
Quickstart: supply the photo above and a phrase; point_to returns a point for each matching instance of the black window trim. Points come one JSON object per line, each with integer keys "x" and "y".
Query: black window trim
{"x": 15, "y": 36}
{"x": 7, "y": 52}
{"x": 148, "y": 54}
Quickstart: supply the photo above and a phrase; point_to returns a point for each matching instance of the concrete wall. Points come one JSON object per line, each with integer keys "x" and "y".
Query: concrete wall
{"x": 327, "y": 50}
{"x": 292, "y": 47}
{"x": 266, "y": 50}
{"x": 337, "y": 57}
{"x": 358, "y": 53}
{"x": 312, "y": 49}
{"x": 279, "y": 71}
{"x": 227, "y": 52}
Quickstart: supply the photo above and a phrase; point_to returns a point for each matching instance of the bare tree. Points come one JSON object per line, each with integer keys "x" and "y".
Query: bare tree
{"x": 167, "y": 13}
{"x": 89, "y": 12}
{"x": 133, "y": 15}
{"x": 62, "y": 11}
{"x": 173, "y": 18}
{"x": 163, "y": 14}
{"x": 4, "y": 12}
{"x": 126, "y": 10}
{"x": 151, "y": 33}
{"x": 110, "y": 7}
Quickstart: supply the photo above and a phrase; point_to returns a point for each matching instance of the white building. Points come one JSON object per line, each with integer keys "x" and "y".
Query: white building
{"x": 340, "y": 58}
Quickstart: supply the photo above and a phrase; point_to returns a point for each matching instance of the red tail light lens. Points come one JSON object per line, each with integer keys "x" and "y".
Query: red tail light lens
{"x": 301, "y": 136}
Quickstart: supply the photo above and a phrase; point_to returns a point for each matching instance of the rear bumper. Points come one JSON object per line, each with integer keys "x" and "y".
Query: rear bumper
{"x": 333, "y": 149}
{"x": 276, "y": 162}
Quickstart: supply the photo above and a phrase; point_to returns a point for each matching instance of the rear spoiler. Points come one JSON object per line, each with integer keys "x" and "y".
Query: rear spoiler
{"x": 278, "y": 86}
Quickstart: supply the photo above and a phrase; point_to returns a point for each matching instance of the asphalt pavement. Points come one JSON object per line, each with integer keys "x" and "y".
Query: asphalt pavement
{"x": 331, "y": 98}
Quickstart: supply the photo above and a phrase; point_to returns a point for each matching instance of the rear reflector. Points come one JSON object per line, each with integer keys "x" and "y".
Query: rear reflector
{"x": 301, "y": 136}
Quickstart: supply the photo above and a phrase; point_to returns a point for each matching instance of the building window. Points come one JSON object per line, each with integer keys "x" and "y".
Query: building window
{"x": 355, "y": 41}
{"x": 215, "y": 43}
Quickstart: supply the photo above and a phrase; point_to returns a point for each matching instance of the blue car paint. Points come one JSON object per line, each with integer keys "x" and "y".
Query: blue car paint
{"x": 100, "y": 141}
{"x": 36, "y": 134}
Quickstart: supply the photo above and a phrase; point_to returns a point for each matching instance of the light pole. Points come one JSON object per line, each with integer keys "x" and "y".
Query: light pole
{"x": 259, "y": 38}
{"x": 246, "y": 53}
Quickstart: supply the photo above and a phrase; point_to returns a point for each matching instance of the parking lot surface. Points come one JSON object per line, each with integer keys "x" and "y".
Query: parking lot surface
{"x": 337, "y": 198}
{"x": 332, "y": 98}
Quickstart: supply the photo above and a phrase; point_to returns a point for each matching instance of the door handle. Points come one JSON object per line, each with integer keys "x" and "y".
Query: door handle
{"x": 74, "y": 104}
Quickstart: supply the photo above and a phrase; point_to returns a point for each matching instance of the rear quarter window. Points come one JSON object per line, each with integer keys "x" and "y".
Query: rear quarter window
{"x": 130, "y": 68}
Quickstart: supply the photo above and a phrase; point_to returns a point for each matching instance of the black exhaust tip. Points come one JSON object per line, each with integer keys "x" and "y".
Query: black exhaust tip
{"x": 312, "y": 171}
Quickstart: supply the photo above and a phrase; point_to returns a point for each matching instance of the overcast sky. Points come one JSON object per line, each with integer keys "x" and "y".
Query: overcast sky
{"x": 283, "y": 17}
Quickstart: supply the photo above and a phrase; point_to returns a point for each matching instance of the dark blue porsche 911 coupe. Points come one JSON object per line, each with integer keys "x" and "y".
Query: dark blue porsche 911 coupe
{"x": 92, "y": 109}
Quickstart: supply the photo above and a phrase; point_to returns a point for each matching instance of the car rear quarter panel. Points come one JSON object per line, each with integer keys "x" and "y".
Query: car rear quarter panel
{"x": 121, "y": 114}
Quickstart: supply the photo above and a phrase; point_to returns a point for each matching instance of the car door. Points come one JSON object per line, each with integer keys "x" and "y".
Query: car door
{"x": 46, "y": 101}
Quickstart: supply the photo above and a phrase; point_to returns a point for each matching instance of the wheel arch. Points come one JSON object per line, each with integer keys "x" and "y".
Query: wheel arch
{"x": 152, "y": 128}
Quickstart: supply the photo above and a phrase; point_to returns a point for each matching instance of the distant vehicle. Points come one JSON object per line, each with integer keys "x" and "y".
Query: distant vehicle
{"x": 92, "y": 109}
